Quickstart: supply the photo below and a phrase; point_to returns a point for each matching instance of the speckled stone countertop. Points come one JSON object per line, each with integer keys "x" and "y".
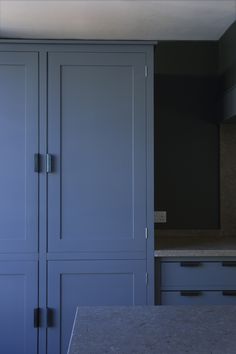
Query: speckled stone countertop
{"x": 195, "y": 246}
{"x": 154, "y": 330}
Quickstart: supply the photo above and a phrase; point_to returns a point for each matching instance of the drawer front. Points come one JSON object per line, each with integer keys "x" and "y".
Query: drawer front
{"x": 198, "y": 275}
{"x": 198, "y": 298}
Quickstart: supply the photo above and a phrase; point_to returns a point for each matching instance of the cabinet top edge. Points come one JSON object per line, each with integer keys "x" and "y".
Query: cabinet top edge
{"x": 195, "y": 253}
{"x": 75, "y": 41}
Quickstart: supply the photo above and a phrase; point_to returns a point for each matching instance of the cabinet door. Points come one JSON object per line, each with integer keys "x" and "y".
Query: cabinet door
{"x": 89, "y": 283}
{"x": 97, "y": 136}
{"x": 18, "y": 144}
{"x": 18, "y": 299}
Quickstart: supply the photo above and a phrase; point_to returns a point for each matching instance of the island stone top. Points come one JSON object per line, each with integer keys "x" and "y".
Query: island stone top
{"x": 154, "y": 330}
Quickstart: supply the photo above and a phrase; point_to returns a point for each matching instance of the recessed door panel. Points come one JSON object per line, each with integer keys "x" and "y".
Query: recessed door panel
{"x": 18, "y": 299}
{"x": 97, "y": 130}
{"x": 18, "y": 144}
{"x": 90, "y": 283}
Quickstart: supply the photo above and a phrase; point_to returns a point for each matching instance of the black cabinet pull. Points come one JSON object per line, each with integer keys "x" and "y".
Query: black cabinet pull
{"x": 49, "y": 163}
{"x": 190, "y": 293}
{"x": 37, "y": 319}
{"x": 229, "y": 293}
{"x": 229, "y": 264}
{"x": 190, "y": 264}
{"x": 37, "y": 163}
{"x": 50, "y": 317}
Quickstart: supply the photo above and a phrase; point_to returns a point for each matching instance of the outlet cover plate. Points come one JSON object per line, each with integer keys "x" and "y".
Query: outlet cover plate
{"x": 160, "y": 217}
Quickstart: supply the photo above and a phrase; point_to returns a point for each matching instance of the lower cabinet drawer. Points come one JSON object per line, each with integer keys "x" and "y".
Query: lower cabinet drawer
{"x": 192, "y": 297}
{"x": 198, "y": 275}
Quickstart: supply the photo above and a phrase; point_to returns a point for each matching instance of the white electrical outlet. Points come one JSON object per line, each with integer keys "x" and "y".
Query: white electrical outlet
{"x": 160, "y": 217}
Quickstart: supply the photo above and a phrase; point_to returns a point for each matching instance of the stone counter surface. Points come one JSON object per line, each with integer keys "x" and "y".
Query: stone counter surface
{"x": 154, "y": 329}
{"x": 195, "y": 247}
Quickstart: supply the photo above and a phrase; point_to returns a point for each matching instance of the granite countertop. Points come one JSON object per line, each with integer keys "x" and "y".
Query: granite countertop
{"x": 154, "y": 330}
{"x": 195, "y": 246}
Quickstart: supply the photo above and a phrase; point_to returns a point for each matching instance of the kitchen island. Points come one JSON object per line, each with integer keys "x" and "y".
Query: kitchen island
{"x": 154, "y": 329}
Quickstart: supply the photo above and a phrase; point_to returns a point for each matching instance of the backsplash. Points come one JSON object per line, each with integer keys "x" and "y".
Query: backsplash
{"x": 197, "y": 185}
{"x": 228, "y": 178}
{"x": 227, "y": 190}
{"x": 186, "y": 135}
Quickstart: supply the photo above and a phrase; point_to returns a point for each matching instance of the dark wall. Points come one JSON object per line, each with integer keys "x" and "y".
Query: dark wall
{"x": 186, "y": 134}
{"x": 227, "y": 70}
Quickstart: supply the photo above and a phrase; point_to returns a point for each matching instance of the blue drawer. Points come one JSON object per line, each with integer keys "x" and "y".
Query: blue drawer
{"x": 198, "y": 298}
{"x": 198, "y": 275}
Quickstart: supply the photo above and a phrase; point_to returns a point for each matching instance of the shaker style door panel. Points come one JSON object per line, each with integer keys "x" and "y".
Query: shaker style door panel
{"x": 18, "y": 144}
{"x": 97, "y": 139}
{"x": 89, "y": 283}
{"x": 18, "y": 299}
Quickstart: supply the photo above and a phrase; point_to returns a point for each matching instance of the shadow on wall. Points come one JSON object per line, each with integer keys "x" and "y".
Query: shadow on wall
{"x": 187, "y": 135}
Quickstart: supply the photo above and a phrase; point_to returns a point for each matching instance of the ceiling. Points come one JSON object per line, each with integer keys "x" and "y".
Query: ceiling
{"x": 111, "y": 19}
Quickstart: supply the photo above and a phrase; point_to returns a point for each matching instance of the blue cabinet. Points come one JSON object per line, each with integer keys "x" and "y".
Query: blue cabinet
{"x": 76, "y": 186}
{"x": 190, "y": 297}
{"x": 197, "y": 280}
{"x": 18, "y": 301}
{"x": 97, "y": 186}
{"x": 97, "y": 138}
{"x": 19, "y": 184}
{"x": 18, "y": 144}
{"x": 90, "y": 282}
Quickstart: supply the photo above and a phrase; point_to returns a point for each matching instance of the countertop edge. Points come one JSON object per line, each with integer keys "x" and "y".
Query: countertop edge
{"x": 194, "y": 253}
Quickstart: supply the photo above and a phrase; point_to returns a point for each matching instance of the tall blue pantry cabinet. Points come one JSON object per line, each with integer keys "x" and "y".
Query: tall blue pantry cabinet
{"x": 76, "y": 185}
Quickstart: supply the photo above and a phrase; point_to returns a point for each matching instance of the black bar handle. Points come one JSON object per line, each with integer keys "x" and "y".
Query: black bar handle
{"x": 49, "y": 163}
{"x": 229, "y": 292}
{"x": 229, "y": 264}
{"x": 37, "y": 163}
{"x": 37, "y": 317}
{"x": 190, "y": 293}
{"x": 190, "y": 264}
{"x": 50, "y": 317}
